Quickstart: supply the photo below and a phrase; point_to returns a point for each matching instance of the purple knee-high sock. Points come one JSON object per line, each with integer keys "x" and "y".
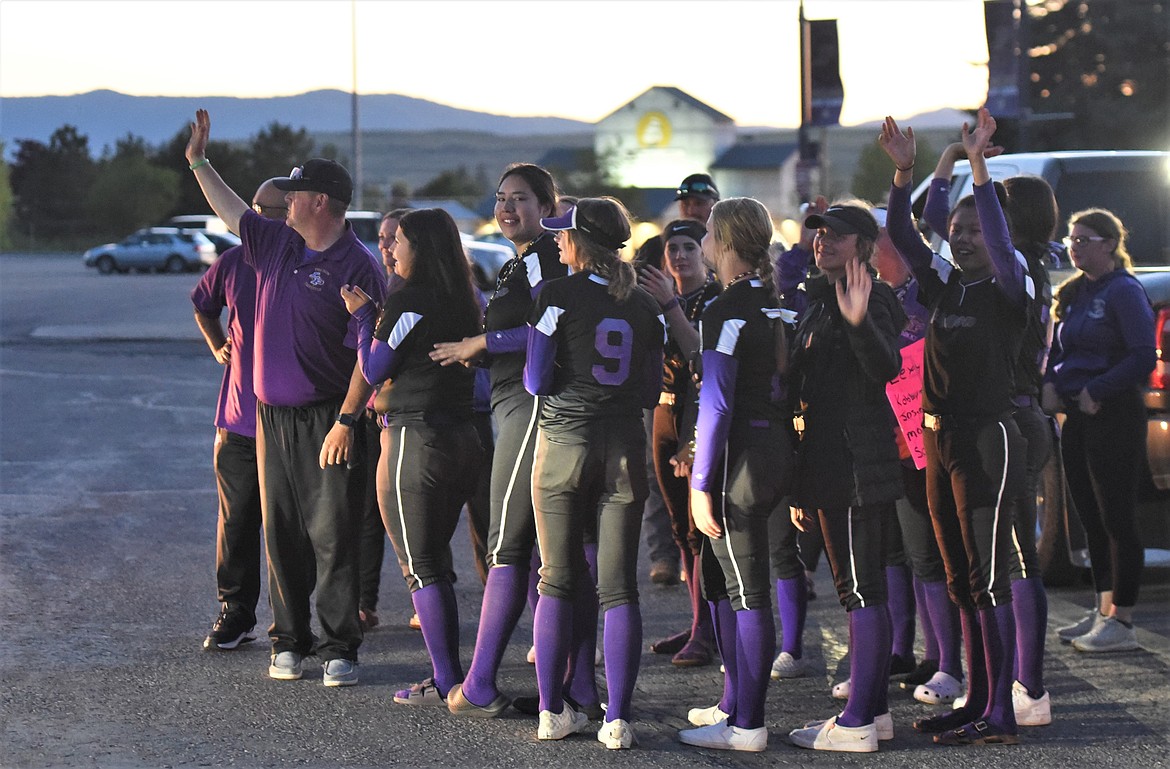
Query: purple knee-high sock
{"x": 552, "y": 629}
{"x": 724, "y": 618}
{"x": 623, "y": 651}
{"x": 944, "y": 618}
{"x": 580, "y": 679}
{"x": 869, "y": 661}
{"x": 999, "y": 641}
{"x": 792, "y": 603}
{"x": 533, "y": 579}
{"x": 503, "y": 602}
{"x": 700, "y": 614}
{"x": 1030, "y": 606}
{"x": 900, "y": 607}
{"x": 929, "y": 640}
{"x": 439, "y": 616}
{"x": 755, "y": 645}
{"x": 976, "y": 663}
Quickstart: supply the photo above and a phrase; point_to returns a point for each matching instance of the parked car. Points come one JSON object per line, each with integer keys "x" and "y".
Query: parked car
{"x": 486, "y": 260}
{"x": 166, "y": 249}
{"x": 365, "y": 225}
{"x": 222, "y": 242}
{"x": 1133, "y": 184}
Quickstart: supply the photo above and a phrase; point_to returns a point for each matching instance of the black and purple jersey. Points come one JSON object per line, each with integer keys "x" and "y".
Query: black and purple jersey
{"x": 417, "y": 389}
{"x": 741, "y": 381}
{"x": 505, "y": 321}
{"x": 976, "y": 328}
{"x": 592, "y": 356}
{"x": 676, "y": 372}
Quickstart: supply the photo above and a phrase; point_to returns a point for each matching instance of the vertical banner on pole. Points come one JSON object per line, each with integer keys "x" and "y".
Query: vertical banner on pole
{"x": 1001, "y": 18}
{"x": 825, "y": 74}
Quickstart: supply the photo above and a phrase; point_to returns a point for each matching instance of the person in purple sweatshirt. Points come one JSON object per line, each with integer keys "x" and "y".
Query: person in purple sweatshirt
{"x": 595, "y": 355}
{"x": 980, "y": 307}
{"x": 230, "y": 283}
{"x": 1103, "y": 352}
{"x": 742, "y": 465}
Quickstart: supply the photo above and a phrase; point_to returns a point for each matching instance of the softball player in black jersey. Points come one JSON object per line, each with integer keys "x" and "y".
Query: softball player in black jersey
{"x": 974, "y": 451}
{"x": 595, "y": 352}
{"x": 430, "y": 450}
{"x": 743, "y": 458}
{"x": 524, "y": 195}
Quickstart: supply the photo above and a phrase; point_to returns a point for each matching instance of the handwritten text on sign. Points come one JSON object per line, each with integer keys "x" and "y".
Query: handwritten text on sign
{"x": 905, "y": 394}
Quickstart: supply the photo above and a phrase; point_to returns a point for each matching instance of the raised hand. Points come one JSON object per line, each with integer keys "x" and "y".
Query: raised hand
{"x": 977, "y": 143}
{"x": 656, "y": 283}
{"x": 853, "y": 292}
{"x": 900, "y": 146}
{"x": 200, "y": 130}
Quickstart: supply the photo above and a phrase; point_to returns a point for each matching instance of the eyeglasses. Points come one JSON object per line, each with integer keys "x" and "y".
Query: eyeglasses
{"x": 297, "y": 173}
{"x": 260, "y": 208}
{"x": 1080, "y": 240}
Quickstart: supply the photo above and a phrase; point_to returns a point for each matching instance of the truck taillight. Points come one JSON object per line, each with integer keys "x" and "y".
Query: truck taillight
{"x": 1160, "y": 378}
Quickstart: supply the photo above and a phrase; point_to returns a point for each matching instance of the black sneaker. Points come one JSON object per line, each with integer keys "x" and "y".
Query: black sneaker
{"x": 232, "y": 628}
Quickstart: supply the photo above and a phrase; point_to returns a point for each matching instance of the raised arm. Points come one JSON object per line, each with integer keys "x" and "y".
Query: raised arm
{"x": 226, "y": 204}
{"x": 899, "y": 224}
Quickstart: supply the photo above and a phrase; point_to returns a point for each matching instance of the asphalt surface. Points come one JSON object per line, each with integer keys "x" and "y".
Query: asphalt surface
{"x": 107, "y": 522}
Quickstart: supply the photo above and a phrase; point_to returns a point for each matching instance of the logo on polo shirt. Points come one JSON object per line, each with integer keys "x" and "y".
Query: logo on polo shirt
{"x": 316, "y": 280}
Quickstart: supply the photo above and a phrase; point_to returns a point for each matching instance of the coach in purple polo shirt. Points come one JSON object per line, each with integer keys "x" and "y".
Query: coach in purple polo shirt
{"x": 310, "y": 393}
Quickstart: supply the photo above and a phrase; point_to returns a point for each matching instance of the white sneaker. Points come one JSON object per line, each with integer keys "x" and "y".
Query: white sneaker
{"x": 724, "y": 736}
{"x": 706, "y": 716}
{"x": 1030, "y": 711}
{"x": 941, "y": 689}
{"x": 340, "y": 673}
{"x": 1079, "y": 628}
{"x": 1109, "y": 636}
{"x": 616, "y": 734}
{"x": 558, "y": 726}
{"x": 830, "y": 736}
{"x": 841, "y": 690}
{"x": 883, "y": 723}
{"x": 286, "y": 666}
{"x": 787, "y": 666}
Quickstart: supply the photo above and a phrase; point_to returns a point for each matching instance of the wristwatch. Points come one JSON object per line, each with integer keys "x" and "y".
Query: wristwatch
{"x": 347, "y": 420}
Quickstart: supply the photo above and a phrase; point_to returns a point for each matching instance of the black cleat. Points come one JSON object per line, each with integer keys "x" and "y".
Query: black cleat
{"x": 232, "y": 628}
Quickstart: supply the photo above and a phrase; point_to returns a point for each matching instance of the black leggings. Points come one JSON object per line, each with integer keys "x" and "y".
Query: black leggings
{"x": 1103, "y": 455}
{"x": 1036, "y": 427}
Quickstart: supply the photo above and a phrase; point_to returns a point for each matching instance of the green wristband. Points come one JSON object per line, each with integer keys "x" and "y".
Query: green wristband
{"x": 195, "y": 165}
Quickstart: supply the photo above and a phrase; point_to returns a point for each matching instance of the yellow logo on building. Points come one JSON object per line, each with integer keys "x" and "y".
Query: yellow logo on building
{"x": 654, "y": 130}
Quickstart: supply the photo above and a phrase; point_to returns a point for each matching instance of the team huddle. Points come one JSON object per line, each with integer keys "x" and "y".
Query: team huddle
{"x": 365, "y": 399}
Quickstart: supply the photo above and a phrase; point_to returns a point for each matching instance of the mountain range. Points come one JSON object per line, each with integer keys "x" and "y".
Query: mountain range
{"x": 106, "y": 116}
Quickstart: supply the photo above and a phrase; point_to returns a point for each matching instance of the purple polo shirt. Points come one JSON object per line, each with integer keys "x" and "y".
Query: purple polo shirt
{"x": 231, "y": 283}
{"x": 306, "y": 341}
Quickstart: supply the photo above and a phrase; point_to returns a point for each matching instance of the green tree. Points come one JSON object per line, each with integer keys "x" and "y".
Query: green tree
{"x": 51, "y": 184}
{"x": 1098, "y": 68}
{"x": 274, "y": 151}
{"x": 232, "y": 162}
{"x": 871, "y": 179}
{"x": 458, "y": 184}
{"x": 130, "y": 191}
{"x": 6, "y": 210}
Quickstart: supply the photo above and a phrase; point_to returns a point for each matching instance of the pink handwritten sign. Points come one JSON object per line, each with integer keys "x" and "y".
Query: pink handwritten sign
{"x": 905, "y": 395}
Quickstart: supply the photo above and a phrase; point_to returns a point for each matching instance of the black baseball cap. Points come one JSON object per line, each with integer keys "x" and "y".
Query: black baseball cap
{"x": 845, "y": 220}
{"x": 575, "y": 220}
{"x": 319, "y": 175}
{"x": 697, "y": 184}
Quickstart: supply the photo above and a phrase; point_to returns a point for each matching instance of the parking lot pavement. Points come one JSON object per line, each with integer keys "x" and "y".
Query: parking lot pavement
{"x": 107, "y": 521}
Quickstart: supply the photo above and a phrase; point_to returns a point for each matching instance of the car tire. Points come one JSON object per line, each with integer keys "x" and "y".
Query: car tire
{"x": 174, "y": 264}
{"x": 106, "y": 265}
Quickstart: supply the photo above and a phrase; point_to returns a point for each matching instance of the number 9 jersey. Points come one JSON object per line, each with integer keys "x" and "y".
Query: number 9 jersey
{"x": 591, "y": 355}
